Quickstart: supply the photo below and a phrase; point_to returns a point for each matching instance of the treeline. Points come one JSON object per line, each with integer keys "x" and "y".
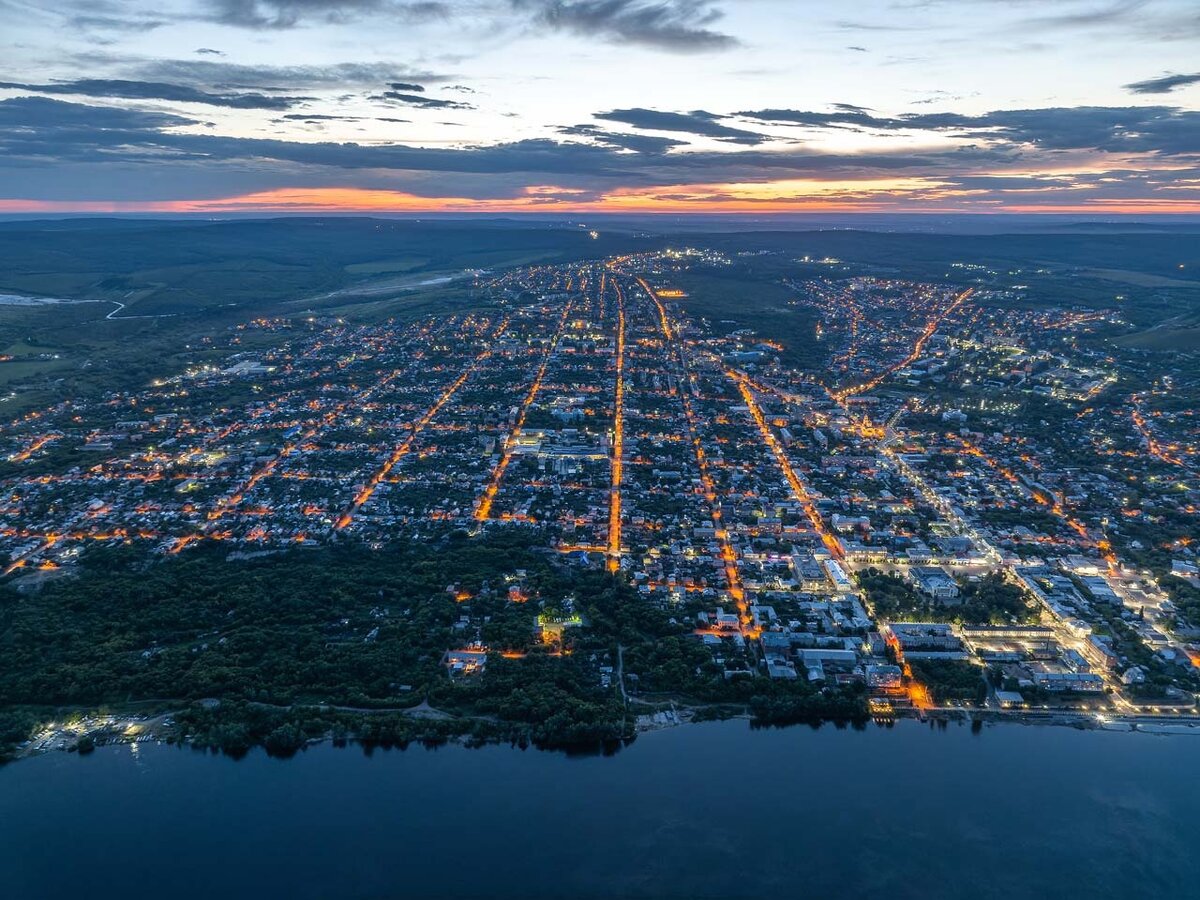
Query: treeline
{"x": 950, "y": 679}
{"x": 296, "y": 627}
{"x": 790, "y": 703}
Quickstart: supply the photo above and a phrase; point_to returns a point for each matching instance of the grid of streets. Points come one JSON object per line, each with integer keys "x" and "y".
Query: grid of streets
{"x": 780, "y": 508}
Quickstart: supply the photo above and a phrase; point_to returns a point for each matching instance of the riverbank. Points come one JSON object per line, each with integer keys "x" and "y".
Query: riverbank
{"x": 421, "y": 723}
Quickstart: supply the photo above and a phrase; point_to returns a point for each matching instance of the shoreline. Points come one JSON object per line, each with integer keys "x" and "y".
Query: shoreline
{"x": 85, "y": 735}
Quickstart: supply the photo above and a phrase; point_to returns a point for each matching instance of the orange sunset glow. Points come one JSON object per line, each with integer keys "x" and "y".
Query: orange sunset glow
{"x": 909, "y": 195}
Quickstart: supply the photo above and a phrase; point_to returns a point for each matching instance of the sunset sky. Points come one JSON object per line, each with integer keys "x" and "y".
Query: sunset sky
{"x": 221, "y": 106}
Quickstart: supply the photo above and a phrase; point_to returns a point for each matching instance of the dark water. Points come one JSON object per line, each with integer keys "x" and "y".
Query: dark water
{"x": 711, "y": 810}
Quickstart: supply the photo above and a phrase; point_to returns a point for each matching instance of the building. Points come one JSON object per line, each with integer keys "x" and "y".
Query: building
{"x": 935, "y": 582}
{"x": 924, "y": 640}
{"x": 466, "y": 662}
{"x": 885, "y": 678}
{"x": 1010, "y": 700}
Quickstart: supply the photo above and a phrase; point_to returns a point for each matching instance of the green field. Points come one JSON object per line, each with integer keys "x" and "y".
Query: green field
{"x": 385, "y": 266}
{"x": 189, "y": 267}
{"x": 185, "y": 283}
{"x": 193, "y": 280}
{"x": 744, "y": 297}
{"x": 1164, "y": 339}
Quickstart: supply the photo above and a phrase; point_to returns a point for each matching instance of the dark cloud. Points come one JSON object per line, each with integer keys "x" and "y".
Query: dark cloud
{"x": 422, "y": 101}
{"x": 39, "y": 115}
{"x": 407, "y": 86}
{"x": 314, "y": 117}
{"x": 697, "y": 122}
{"x": 638, "y": 143}
{"x": 149, "y": 90}
{"x": 278, "y": 14}
{"x": 1163, "y": 130}
{"x": 1164, "y": 84}
{"x": 681, "y": 26}
{"x": 208, "y": 51}
{"x": 844, "y": 116}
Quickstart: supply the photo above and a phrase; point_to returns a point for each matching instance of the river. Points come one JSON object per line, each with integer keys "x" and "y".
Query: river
{"x": 704, "y": 811}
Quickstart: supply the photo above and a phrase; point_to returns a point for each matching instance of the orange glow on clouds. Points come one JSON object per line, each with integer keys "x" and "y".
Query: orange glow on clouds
{"x": 797, "y": 196}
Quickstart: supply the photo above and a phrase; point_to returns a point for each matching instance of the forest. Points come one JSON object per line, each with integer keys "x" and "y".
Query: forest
{"x": 350, "y": 642}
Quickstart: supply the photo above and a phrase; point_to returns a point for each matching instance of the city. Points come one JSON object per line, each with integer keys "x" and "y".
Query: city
{"x": 890, "y": 524}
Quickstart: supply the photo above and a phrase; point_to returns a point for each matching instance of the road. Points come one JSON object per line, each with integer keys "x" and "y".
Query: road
{"x": 483, "y": 509}
{"x": 618, "y": 443}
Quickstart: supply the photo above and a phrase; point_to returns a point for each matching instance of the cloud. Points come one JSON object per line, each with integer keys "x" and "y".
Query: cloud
{"x": 1014, "y": 182}
{"x": 36, "y": 116}
{"x": 149, "y": 90}
{"x": 53, "y": 131}
{"x": 316, "y": 117}
{"x": 638, "y": 143}
{"x": 1162, "y": 130}
{"x": 421, "y": 101}
{"x": 697, "y": 122}
{"x": 320, "y": 123}
{"x": 51, "y": 148}
{"x": 857, "y": 26}
{"x": 281, "y": 14}
{"x": 1164, "y": 84}
{"x": 679, "y": 26}
{"x": 116, "y": 23}
{"x": 843, "y": 116}
{"x": 224, "y": 76}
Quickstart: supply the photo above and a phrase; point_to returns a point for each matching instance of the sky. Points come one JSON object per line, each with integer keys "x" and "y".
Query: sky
{"x": 503, "y": 106}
